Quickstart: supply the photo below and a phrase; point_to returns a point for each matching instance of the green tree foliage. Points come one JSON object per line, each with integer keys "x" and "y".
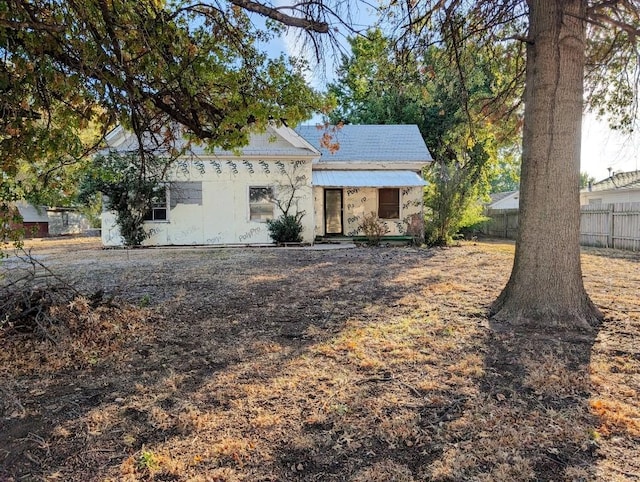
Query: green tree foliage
{"x": 574, "y": 49}
{"x": 586, "y": 179}
{"x": 10, "y": 220}
{"x": 66, "y": 67}
{"x": 452, "y": 97}
{"x": 506, "y": 175}
{"x": 129, "y": 194}
{"x": 286, "y": 228}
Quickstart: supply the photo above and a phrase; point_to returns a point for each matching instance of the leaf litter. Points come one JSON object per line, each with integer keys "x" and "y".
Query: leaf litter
{"x": 367, "y": 364}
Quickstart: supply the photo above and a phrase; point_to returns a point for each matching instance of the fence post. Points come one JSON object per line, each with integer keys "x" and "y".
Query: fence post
{"x": 610, "y": 226}
{"x": 506, "y": 225}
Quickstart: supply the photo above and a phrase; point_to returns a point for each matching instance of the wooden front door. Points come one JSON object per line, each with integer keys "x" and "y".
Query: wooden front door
{"x": 333, "y": 211}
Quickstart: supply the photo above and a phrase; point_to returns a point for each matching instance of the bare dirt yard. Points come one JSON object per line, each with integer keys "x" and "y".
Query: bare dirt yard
{"x": 360, "y": 365}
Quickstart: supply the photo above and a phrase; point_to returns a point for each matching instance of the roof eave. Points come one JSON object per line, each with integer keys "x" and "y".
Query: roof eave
{"x": 370, "y": 165}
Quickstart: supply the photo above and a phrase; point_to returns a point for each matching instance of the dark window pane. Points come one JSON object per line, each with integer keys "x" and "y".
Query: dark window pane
{"x": 389, "y": 203}
{"x": 160, "y": 214}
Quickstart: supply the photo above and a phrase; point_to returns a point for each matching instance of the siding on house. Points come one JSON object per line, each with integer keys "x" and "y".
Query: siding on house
{"x": 64, "y": 221}
{"x": 613, "y": 196}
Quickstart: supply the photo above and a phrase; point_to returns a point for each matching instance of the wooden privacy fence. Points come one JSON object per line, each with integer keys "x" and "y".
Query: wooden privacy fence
{"x": 603, "y": 225}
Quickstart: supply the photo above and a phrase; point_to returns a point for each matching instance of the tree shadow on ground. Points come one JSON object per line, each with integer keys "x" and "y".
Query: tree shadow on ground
{"x": 232, "y": 329}
{"x": 537, "y": 386}
{"x": 274, "y": 365}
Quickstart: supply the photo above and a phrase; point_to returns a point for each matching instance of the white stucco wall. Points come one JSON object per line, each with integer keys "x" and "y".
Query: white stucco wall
{"x": 360, "y": 201}
{"x": 223, "y": 215}
{"x": 318, "y": 208}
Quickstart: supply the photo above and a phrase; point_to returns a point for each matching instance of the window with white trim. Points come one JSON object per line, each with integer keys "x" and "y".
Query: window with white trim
{"x": 260, "y": 203}
{"x": 159, "y": 206}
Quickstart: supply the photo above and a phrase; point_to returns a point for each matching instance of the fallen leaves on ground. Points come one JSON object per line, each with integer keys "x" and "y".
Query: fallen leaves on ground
{"x": 366, "y": 364}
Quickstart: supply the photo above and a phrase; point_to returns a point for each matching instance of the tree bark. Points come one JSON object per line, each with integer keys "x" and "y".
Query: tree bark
{"x": 545, "y": 290}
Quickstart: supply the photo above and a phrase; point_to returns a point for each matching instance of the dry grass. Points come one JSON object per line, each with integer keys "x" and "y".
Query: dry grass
{"x": 352, "y": 365}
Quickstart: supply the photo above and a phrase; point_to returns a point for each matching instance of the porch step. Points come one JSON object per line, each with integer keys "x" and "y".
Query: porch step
{"x": 362, "y": 239}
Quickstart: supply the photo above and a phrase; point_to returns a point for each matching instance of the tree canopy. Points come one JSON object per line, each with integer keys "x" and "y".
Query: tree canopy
{"x": 468, "y": 111}
{"x": 144, "y": 63}
{"x": 611, "y": 29}
{"x": 70, "y": 71}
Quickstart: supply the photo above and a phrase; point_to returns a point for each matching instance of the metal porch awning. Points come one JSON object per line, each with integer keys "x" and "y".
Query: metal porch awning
{"x": 359, "y": 178}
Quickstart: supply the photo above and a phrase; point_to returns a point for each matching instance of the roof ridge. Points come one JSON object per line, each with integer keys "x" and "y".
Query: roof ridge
{"x": 617, "y": 181}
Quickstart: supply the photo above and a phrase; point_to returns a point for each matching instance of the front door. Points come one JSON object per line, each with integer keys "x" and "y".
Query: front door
{"x": 333, "y": 211}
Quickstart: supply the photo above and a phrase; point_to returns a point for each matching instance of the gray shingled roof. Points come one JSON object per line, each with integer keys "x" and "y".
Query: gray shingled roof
{"x": 31, "y": 213}
{"x": 269, "y": 143}
{"x": 499, "y": 196}
{"x": 620, "y": 180}
{"x": 371, "y": 143}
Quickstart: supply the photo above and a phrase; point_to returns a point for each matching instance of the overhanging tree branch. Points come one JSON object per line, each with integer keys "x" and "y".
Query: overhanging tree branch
{"x": 603, "y": 21}
{"x": 275, "y": 14}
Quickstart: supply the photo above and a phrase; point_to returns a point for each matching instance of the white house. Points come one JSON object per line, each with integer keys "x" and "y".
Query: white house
{"x": 504, "y": 200}
{"x": 225, "y": 198}
{"x": 65, "y": 221}
{"x": 621, "y": 187}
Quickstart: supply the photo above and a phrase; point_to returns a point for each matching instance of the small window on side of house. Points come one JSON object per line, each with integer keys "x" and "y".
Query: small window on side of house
{"x": 260, "y": 203}
{"x": 595, "y": 201}
{"x": 159, "y": 206}
{"x": 389, "y": 203}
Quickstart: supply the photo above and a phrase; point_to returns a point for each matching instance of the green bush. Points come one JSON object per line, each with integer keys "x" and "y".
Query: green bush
{"x": 286, "y": 229}
{"x": 130, "y": 190}
{"x": 373, "y": 229}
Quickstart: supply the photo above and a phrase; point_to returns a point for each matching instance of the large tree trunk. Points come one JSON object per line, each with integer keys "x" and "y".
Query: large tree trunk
{"x": 546, "y": 289}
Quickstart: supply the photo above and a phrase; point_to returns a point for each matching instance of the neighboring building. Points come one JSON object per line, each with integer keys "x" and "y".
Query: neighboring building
{"x": 65, "y": 221}
{"x": 225, "y": 198}
{"x": 35, "y": 221}
{"x": 504, "y": 200}
{"x": 621, "y": 187}
{"x": 502, "y": 212}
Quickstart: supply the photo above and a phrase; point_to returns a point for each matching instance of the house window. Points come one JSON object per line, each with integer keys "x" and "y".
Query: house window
{"x": 389, "y": 203}
{"x": 260, "y": 203}
{"x": 159, "y": 203}
{"x": 189, "y": 192}
{"x": 595, "y": 202}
